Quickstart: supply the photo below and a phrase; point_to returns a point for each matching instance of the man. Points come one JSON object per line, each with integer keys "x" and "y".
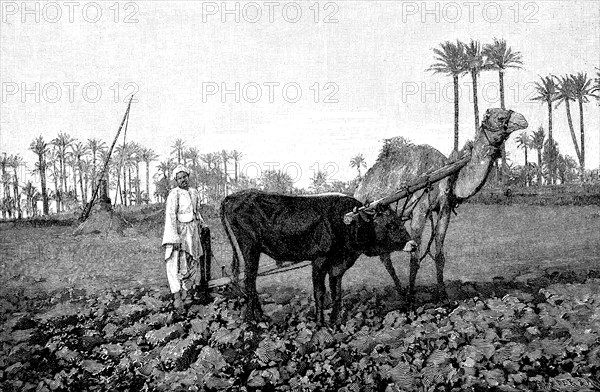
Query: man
{"x": 181, "y": 239}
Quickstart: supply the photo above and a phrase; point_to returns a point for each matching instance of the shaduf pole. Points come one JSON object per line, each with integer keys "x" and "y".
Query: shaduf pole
{"x": 88, "y": 207}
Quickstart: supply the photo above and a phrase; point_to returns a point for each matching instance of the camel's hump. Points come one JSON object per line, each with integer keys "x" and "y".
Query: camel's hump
{"x": 397, "y": 163}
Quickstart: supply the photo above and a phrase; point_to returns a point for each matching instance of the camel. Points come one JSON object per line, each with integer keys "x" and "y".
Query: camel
{"x": 400, "y": 162}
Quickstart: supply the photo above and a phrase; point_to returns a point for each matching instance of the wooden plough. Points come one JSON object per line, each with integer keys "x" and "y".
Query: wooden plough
{"x": 269, "y": 270}
{"x": 405, "y": 191}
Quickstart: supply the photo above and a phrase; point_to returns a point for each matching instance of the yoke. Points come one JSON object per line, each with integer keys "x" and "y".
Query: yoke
{"x": 408, "y": 189}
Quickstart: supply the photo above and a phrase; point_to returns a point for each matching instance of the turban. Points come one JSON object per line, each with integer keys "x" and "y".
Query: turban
{"x": 178, "y": 169}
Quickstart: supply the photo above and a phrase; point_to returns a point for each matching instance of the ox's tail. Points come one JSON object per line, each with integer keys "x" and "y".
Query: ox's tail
{"x": 235, "y": 247}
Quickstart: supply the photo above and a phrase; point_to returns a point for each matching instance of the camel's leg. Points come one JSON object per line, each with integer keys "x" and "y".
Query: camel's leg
{"x": 440, "y": 259}
{"x": 417, "y": 225}
{"x": 387, "y": 262}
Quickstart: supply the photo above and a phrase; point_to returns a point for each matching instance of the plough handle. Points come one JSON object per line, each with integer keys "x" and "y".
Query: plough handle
{"x": 409, "y": 189}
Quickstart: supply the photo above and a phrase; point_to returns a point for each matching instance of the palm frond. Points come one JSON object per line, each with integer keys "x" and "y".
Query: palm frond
{"x": 450, "y": 58}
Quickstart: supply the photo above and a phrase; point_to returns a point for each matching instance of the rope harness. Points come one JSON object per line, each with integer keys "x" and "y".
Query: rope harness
{"x": 454, "y": 203}
{"x": 496, "y": 149}
{"x": 427, "y": 190}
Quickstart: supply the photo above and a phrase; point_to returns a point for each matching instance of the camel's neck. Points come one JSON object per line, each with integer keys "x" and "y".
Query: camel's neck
{"x": 472, "y": 177}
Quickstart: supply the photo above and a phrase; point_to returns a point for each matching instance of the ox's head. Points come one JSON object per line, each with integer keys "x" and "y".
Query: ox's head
{"x": 382, "y": 231}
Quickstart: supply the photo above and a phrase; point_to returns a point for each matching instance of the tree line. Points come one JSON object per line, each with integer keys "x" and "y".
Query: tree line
{"x": 457, "y": 59}
{"x": 218, "y": 174}
{"x": 69, "y": 169}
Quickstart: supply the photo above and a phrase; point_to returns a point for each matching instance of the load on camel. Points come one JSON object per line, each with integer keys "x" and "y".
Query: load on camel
{"x": 400, "y": 162}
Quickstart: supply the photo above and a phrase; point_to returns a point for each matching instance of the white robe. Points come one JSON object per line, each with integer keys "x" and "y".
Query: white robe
{"x": 182, "y": 219}
{"x": 182, "y": 216}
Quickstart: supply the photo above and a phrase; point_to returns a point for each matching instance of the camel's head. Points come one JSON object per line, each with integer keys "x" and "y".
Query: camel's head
{"x": 498, "y": 124}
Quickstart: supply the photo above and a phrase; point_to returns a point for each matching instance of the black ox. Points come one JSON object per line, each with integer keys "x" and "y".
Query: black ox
{"x": 298, "y": 228}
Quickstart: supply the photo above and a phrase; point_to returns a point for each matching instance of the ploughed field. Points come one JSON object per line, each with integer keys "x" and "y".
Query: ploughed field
{"x": 93, "y": 313}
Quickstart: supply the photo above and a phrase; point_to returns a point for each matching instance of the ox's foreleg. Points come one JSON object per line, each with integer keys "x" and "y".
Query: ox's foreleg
{"x": 440, "y": 259}
{"x": 235, "y": 247}
{"x": 336, "y": 272}
{"x": 318, "y": 280}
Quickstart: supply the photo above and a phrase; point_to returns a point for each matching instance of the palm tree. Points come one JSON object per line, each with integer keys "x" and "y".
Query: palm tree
{"x": 215, "y": 175}
{"x": 501, "y": 57}
{"x": 318, "y": 181}
{"x": 85, "y": 169}
{"x": 53, "y": 159}
{"x": 164, "y": 169}
{"x": 566, "y": 168}
{"x": 476, "y": 62}
{"x": 5, "y": 179}
{"x": 236, "y": 156}
{"x": 37, "y": 196}
{"x": 225, "y": 157}
{"x": 131, "y": 183}
{"x": 277, "y": 181}
{"x": 550, "y": 155}
{"x": 79, "y": 150}
{"x": 537, "y": 142}
{"x": 359, "y": 161}
{"x": 193, "y": 155}
{"x": 178, "y": 149}
{"x": 524, "y": 142}
{"x": 451, "y": 60}
{"x": 119, "y": 162}
{"x": 582, "y": 90}
{"x": 547, "y": 92}
{"x": 148, "y": 155}
{"x": 128, "y": 164}
{"x": 95, "y": 146}
{"x": 211, "y": 175}
{"x": 62, "y": 143}
{"x": 566, "y": 94}
{"x": 40, "y": 148}
{"x": 136, "y": 160}
{"x": 171, "y": 166}
{"x": 71, "y": 163}
{"x": 124, "y": 161}
{"x": 30, "y": 193}
{"x": 15, "y": 161}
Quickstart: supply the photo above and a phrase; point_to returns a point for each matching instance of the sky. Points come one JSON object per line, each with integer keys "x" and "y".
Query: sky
{"x": 299, "y": 86}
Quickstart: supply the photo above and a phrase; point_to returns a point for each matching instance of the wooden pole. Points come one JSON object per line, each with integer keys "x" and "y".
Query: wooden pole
{"x": 408, "y": 189}
{"x": 88, "y": 207}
